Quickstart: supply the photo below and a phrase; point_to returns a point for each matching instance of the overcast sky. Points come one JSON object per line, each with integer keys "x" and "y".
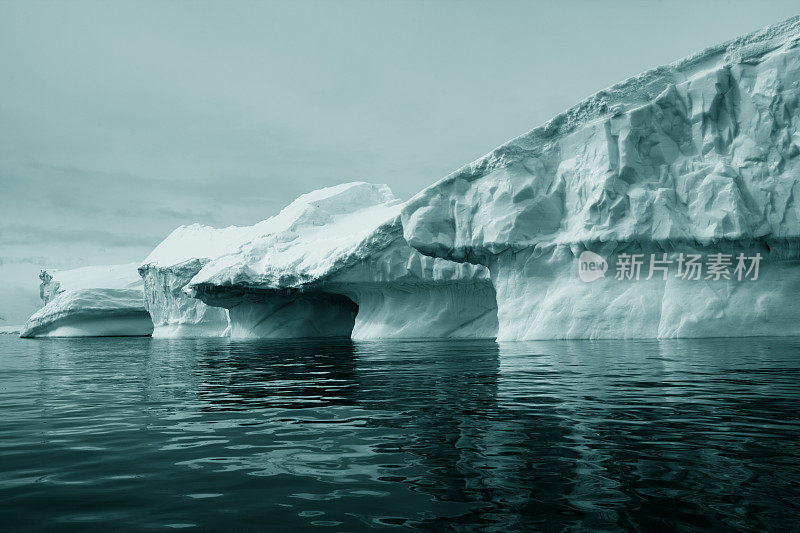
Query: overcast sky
{"x": 121, "y": 121}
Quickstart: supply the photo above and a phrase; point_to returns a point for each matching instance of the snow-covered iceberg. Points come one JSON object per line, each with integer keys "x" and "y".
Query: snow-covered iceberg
{"x": 335, "y": 263}
{"x": 167, "y": 271}
{"x": 94, "y": 301}
{"x": 700, "y": 157}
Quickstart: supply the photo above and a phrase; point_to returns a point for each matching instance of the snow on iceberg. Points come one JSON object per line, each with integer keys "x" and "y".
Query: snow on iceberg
{"x": 334, "y": 263}
{"x": 94, "y": 301}
{"x": 167, "y": 271}
{"x": 55, "y": 282}
{"x": 699, "y": 157}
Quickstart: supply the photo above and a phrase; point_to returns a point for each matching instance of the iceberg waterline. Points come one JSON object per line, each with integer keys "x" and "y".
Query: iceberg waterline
{"x": 698, "y": 158}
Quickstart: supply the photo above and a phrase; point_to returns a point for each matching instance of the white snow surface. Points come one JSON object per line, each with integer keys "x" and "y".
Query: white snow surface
{"x": 197, "y": 241}
{"x": 698, "y": 156}
{"x": 89, "y": 302}
{"x": 56, "y": 281}
{"x": 307, "y": 240}
{"x": 304, "y": 271}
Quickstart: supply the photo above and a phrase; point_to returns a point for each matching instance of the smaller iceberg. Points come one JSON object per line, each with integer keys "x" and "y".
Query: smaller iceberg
{"x": 334, "y": 263}
{"x": 11, "y": 330}
{"x": 96, "y": 301}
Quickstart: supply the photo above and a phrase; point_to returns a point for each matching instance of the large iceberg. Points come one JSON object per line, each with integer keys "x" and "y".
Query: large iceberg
{"x": 335, "y": 263}
{"x": 698, "y": 158}
{"x": 167, "y": 271}
{"x": 94, "y": 301}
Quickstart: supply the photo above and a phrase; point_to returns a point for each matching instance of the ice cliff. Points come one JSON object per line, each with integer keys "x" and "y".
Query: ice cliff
{"x": 335, "y": 263}
{"x": 90, "y": 302}
{"x": 698, "y": 157}
{"x": 167, "y": 271}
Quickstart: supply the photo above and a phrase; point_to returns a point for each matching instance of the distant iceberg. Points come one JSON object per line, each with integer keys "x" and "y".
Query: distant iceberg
{"x": 11, "y": 330}
{"x": 94, "y": 301}
{"x": 335, "y": 263}
{"x": 698, "y": 158}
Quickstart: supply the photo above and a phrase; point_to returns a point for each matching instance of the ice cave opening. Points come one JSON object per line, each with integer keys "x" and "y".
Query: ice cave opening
{"x": 281, "y": 314}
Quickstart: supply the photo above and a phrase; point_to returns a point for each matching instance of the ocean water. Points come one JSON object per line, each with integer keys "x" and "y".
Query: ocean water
{"x": 139, "y": 434}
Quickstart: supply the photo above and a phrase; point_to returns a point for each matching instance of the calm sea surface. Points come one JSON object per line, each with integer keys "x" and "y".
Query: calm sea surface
{"x": 137, "y": 434}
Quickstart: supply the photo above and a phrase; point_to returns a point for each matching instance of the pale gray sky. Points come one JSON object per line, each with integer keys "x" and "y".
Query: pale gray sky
{"x": 122, "y": 120}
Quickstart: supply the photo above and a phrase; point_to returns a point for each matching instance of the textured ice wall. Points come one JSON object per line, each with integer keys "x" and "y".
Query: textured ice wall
{"x": 403, "y": 294}
{"x": 167, "y": 271}
{"x": 699, "y": 156}
{"x": 48, "y": 288}
{"x": 335, "y": 262}
{"x": 174, "y": 313}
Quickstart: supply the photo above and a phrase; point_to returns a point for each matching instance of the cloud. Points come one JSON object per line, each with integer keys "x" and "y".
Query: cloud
{"x": 24, "y": 260}
{"x": 24, "y": 234}
{"x": 47, "y": 189}
{"x": 184, "y": 215}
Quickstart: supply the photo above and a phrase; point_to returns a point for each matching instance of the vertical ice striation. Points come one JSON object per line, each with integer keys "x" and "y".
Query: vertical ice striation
{"x": 698, "y": 157}
{"x": 166, "y": 272}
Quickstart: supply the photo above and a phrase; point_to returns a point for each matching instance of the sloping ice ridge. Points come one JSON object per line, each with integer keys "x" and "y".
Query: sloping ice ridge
{"x": 334, "y": 263}
{"x": 90, "y": 302}
{"x": 55, "y": 281}
{"x": 698, "y": 157}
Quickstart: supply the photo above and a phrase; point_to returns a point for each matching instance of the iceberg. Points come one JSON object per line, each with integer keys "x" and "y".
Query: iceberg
{"x": 695, "y": 159}
{"x": 167, "y": 271}
{"x": 11, "y": 330}
{"x": 96, "y": 301}
{"x": 334, "y": 263}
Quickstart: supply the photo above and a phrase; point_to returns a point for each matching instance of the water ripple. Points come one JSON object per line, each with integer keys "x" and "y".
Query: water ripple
{"x": 459, "y": 435}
